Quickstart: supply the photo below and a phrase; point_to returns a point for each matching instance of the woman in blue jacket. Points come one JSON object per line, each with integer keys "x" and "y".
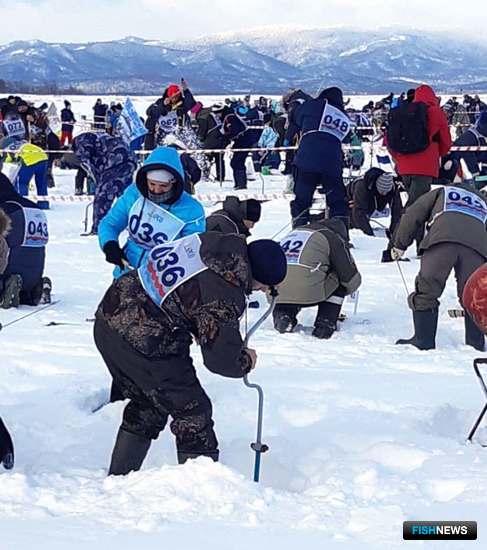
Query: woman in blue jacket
{"x": 154, "y": 209}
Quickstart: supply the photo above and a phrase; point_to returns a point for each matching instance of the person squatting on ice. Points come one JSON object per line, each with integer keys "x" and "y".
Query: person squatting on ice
{"x": 320, "y": 272}
{"x": 455, "y": 219}
{"x": 236, "y": 217}
{"x": 194, "y": 287}
{"x": 25, "y": 235}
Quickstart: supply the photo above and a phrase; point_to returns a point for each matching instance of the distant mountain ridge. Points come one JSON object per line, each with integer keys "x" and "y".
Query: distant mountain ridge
{"x": 266, "y": 61}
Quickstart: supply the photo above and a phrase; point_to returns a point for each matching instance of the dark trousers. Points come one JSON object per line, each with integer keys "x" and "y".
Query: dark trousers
{"x": 436, "y": 265}
{"x": 304, "y": 188}
{"x": 328, "y": 310}
{"x": 219, "y": 164}
{"x": 157, "y": 389}
{"x": 417, "y": 186}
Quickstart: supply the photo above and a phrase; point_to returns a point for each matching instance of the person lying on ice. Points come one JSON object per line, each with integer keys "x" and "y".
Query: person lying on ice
{"x": 194, "y": 287}
{"x": 456, "y": 239}
{"x": 154, "y": 209}
{"x": 320, "y": 272}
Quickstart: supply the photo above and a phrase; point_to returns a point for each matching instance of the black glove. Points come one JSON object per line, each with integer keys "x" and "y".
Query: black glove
{"x": 6, "y": 448}
{"x": 114, "y": 254}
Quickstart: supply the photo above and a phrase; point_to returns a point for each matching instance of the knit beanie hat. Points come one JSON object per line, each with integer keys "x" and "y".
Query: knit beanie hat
{"x": 267, "y": 262}
{"x": 251, "y": 210}
{"x": 384, "y": 183}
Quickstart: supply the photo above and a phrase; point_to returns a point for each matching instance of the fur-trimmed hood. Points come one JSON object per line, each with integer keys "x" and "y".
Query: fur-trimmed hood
{"x": 5, "y": 224}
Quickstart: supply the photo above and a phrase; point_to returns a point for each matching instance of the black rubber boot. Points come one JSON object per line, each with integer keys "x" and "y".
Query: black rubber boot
{"x": 284, "y": 322}
{"x": 184, "y": 456}
{"x": 425, "y": 325}
{"x": 473, "y": 336}
{"x": 128, "y": 454}
{"x": 10, "y": 297}
{"x": 240, "y": 179}
{"x": 6, "y": 448}
{"x": 327, "y": 318}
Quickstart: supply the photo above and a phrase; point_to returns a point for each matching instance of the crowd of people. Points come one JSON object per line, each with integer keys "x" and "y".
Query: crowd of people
{"x": 180, "y": 276}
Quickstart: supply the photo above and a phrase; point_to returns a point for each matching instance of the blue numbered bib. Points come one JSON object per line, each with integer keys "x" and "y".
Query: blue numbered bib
{"x": 168, "y": 123}
{"x": 169, "y": 265}
{"x": 334, "y": 122}
{"x": 36, "y": 233}
{"x": 293, "y": 245}
{"x": 465, "y": 202}
{"x": 14, "y": 127}
{"x": 150, "y": 224}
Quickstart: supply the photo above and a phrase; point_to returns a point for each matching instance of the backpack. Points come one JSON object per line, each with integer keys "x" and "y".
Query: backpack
{"x": 407, "y": 130}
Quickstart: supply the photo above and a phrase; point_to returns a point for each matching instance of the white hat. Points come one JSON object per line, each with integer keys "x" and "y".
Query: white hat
{"x": 164, "y": 176}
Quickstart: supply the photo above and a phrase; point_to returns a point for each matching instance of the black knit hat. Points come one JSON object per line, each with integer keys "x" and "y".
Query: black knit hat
{"x": 251, "y": 210}
{"x": 267, "y": 262}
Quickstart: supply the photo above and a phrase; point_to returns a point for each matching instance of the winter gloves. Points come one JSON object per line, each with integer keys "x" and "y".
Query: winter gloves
{"x": 6, "y": 448}
{"x": 396, "y": 253}
{"x": 114, "y": 254}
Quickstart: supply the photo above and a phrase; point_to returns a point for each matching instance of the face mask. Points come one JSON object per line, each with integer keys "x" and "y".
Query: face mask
{"x": 161, "y": 197}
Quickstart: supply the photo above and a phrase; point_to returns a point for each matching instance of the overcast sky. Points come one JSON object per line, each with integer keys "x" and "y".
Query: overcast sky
{"x": 89, "y": 20}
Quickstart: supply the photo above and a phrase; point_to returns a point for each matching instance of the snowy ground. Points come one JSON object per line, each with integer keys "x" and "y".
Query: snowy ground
{"x": 363, "y": 434}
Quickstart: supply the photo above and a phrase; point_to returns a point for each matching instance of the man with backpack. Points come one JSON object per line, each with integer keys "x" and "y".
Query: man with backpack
{"x": 417, "y": 137}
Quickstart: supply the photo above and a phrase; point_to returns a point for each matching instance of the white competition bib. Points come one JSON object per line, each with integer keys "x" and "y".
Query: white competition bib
{"x": 334, "y": 122}
{"x": 168, "y": 266}
{"x": 150, "y": 224}
{"x": 14, "y": 127}
{"x": 168, "y": 123}
{"x": 465, "y": 202}
{"x": 293, "y": 245}
{"x": 36, "y": 233}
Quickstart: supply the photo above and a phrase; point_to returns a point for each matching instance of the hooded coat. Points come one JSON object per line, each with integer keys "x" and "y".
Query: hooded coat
{"x": 27, "y": 261}
{"x": 228, "y": 220}
{"x": 128, "y": 210}
{"x": 427, "y": 162}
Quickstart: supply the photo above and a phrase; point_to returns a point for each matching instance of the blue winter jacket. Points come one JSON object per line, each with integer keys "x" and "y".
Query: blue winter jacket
{"x": 182, "y": 205}
{"x": 318, "y": 152}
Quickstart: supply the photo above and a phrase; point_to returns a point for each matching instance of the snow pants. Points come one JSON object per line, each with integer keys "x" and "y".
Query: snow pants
{"x": 417, "y": 186}
{"x": 304, "y": 188}
{"x": 157, "y": 389}
{"x": 39, "y": 172}
{"x": 436, "y": 265}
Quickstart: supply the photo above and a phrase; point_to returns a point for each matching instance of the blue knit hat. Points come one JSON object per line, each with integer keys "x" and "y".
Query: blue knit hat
{"x": 267, "y": 262}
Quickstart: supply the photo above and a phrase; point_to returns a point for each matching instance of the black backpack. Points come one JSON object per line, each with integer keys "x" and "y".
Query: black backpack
{"x": 407, "y": 130}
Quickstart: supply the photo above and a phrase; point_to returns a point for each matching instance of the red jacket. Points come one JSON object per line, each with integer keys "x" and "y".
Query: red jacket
{"x": 427, "y": 162}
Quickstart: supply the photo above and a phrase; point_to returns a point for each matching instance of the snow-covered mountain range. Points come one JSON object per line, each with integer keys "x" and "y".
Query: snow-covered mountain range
{"x": 268, "y": 60}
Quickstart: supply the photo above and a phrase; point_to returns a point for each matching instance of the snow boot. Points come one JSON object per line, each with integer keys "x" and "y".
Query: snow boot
{"x": 324, "y": 329}
{"x": 240, "y": 179}
{"x": 10, "y": 297}
{"x": 185, "y": 456}
{"x": 473, "y": 336}
{"x": 128, "y": 454}
{"x": 284, "y": 323}
{"x": 327, "y": 317}
{"x": 425, "y": 324}
{"x": 6, "y": 448}
{"x": 46, "y": 290}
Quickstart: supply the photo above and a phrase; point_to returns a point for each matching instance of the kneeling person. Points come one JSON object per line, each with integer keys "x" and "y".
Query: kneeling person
{"x": 236, "y": 217}
{"x": 22, "y": 280}
{"x": 321, "y": 272}
{"x": 193, "y": 287}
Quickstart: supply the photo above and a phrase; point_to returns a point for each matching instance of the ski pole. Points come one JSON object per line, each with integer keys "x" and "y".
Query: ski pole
{"x": 476, "y": 363}
{"x": 258, "y": 446}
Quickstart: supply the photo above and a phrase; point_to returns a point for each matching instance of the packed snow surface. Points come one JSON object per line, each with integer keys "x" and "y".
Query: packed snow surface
{"x": 363, "y": 434}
